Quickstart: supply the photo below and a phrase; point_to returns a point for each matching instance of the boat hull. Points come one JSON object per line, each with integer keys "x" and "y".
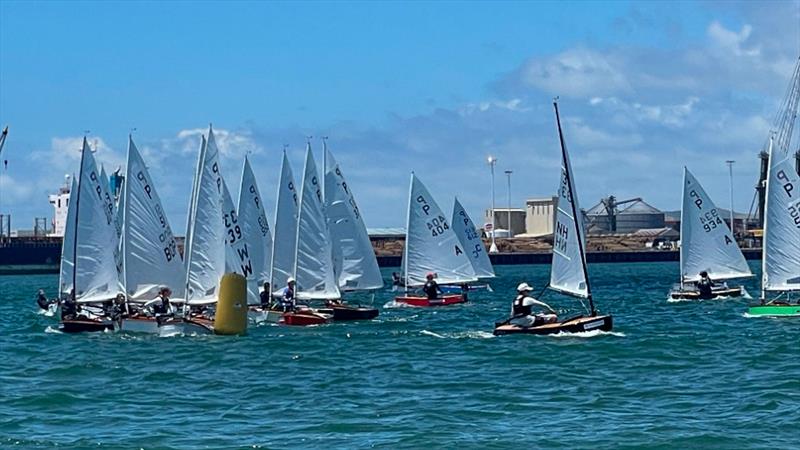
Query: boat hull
{"x": 85, "y": 325}
{"x": 724, "y": 292}
{"x": 344, "y": 313}
{"x": 305, "y": 318}
{"x": 773, "y": 310}
{"x": 444, "y": 300}
{"x": 574, "y": 325}
{"x": 150, "y": 325}
{"x": 257, "y": 315}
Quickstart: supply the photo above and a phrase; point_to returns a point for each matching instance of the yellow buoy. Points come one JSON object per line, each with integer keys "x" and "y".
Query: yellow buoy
{"x": 231, "y": 316}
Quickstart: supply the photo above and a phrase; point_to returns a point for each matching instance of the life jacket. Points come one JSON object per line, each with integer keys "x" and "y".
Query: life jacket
{"x": 431, "y": 289}
{"x": 519, "y": 309}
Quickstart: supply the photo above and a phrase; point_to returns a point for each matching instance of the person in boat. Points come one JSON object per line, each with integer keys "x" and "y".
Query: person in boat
{"x": 160, "y": 305}
{"x": 523, "y": 309}
{"x": 431, "y": 287}
{"x": 266, "y": 296}
{"x": 42, "y": 301}
{"x": 464, "y": 291}
{"x": 396, "y": 280}
{"x": 287, "y": 297}
{"x": 705, "y": 286}
{"x": 70, "y": 308}
{"x": 118, "y": 310}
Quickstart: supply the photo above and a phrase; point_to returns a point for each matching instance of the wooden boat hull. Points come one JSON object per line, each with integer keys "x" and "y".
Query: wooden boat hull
{"x": 574, "y": 325}
{"x": 86, "y": 325}
{"x": 725, "y": 292}
{"x": 305, "y": 318}
{"x": 445, "y": 300}
{"x": 343, "y": 313}
{"x": 774, "y": 310}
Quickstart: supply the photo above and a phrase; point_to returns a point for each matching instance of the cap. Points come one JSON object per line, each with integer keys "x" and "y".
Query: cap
{"x": 290, "y": 280}
{"x": 523, "y": 287}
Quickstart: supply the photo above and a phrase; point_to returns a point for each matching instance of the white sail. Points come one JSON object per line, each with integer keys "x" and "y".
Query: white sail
{"x": 471, "y": 242}
{"x": 781, "y": 225}
{"x": 150, "y": 257}
{"x": 255, "y": 227}
{"x": 67, "y": 245}
{"x": 237, "y": 249}
{"x": 706, "y": 241}
{"x": 431, "y": 244}
{"x": 96, "y": 243}
{"x": 192, "y": 204}
{"x": 314, "y": 260}
{"x": 354, "y": 260}
{"x": 206, "y": 250}
{"x": 284, "y": 246}
{"x": 567, "y": 272}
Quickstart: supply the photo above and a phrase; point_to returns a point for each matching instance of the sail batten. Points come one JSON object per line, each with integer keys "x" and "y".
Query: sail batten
{"x": 354, "y": 261}
{"x": 431, "y": 244}
{"x": 471, "y": 242}
{"x": 707, "y": 243}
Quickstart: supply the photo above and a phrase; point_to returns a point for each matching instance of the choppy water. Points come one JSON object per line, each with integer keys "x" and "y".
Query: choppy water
{"x": 673, "y": 375}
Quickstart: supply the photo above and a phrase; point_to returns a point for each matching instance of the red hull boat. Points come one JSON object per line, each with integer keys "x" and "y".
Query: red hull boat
{"x": 444, "y": 300}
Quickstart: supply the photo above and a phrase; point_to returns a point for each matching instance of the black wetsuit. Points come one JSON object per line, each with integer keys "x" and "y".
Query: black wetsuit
{"x": 69, "y": 309}
{"x": 705, "y": 287}
{"x": 265, "y": 299}
{"x": 431, "y": 289}
{"x": 161, "y": 308}
{"x": 43, "y": 302}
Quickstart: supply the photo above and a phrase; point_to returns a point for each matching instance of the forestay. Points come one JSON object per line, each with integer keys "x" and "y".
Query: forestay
{"x": 354, "y": 261}
{"x": 706, "y": 241}
{"x": 206, "y": 249}
{"x": 782, "y": 225}
{"x": 255, "y": 228}
{"x": 150, "y": 253}
{"x": 431, "y": 244}
{"x": 96, "y": 276}
{"x": 471, "y": 242}
{"x": 68, "y": 243}
{"x": 314, "y": 260}
{"x": 284, "y": 247}
{"x": 568, "y": 272}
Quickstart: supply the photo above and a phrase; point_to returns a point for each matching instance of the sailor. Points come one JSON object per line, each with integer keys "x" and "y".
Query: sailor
{"x": 396, "y": 281}
{"x": 161, "y": 304}
{"x": 266, "y": 296}
{"x": 42, "y": 301}
{"x": 522, "y": 310}
{"x": 118, "y": 310}
{"x": 287, "y": 298}
{"x": 70, "y": 307}
{"x": 464, "y": 291}
{"x": 705, "y": 286}
{"x": 431, "y": 287}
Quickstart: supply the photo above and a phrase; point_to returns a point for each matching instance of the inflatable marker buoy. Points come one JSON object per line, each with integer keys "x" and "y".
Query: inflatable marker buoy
{"x": 231, "y": 316}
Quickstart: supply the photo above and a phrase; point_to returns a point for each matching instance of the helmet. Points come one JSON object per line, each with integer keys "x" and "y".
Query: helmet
{"x": 290, "y": 280}
{"x": 523, "y": 287}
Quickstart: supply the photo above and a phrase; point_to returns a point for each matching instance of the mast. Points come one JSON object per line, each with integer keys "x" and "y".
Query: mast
{"x": 74, "y": 293}
{"x": 575, "y": 216}
{"x": 681, "y": 250}
{"x": 408, "y": 227}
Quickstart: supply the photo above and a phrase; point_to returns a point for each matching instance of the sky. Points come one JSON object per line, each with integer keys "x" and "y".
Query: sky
{"x": 431, "y": 87}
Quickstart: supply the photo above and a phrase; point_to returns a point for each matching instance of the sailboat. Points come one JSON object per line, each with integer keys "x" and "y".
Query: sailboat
{"x": 354, "y": 263}
{"x": 313, "y": 270}
{"x": 472, "y": 244}
{"x": 781, "y": 249}
{"x": 707, "y": 244}
{"x": 283, "y": 247}
{"x": 93, "y": 238}
{"x": 568, "y": 274}
{"x": 431, "y": 247}
{"x": 150, "y": 257}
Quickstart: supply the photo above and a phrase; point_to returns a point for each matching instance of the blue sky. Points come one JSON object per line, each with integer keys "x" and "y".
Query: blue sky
{"x": 429, "y": 87}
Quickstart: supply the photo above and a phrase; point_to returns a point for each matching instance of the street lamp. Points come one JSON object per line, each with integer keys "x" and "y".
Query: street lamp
{"x": 508, "y": 175}
{"x": 492, "y": 161}
{"x": 730, "y": 175}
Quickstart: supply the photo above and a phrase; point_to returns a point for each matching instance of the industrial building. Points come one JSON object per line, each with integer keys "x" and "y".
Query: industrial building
{"x": 627, "y": 216}
{"x": 501, "y": 220}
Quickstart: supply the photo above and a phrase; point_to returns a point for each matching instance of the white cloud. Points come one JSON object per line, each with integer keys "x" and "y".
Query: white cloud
{"x": 732, "y": 41}
{"x": 577, "y": 72}
{"x": 233, "y": 144}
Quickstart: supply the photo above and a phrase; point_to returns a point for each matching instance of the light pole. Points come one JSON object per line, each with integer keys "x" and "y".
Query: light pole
{"x": 730, "y": 175}
{"x": 508, "y": 175}
{"x": 492, "y": 161}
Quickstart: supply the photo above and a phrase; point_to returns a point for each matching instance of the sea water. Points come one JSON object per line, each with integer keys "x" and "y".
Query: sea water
{"x": 670, "y": 375}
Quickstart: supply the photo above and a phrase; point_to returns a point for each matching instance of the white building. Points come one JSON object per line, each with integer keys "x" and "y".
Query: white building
{"x": 540, "y": 216}
{"x": 60, "y": 202}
